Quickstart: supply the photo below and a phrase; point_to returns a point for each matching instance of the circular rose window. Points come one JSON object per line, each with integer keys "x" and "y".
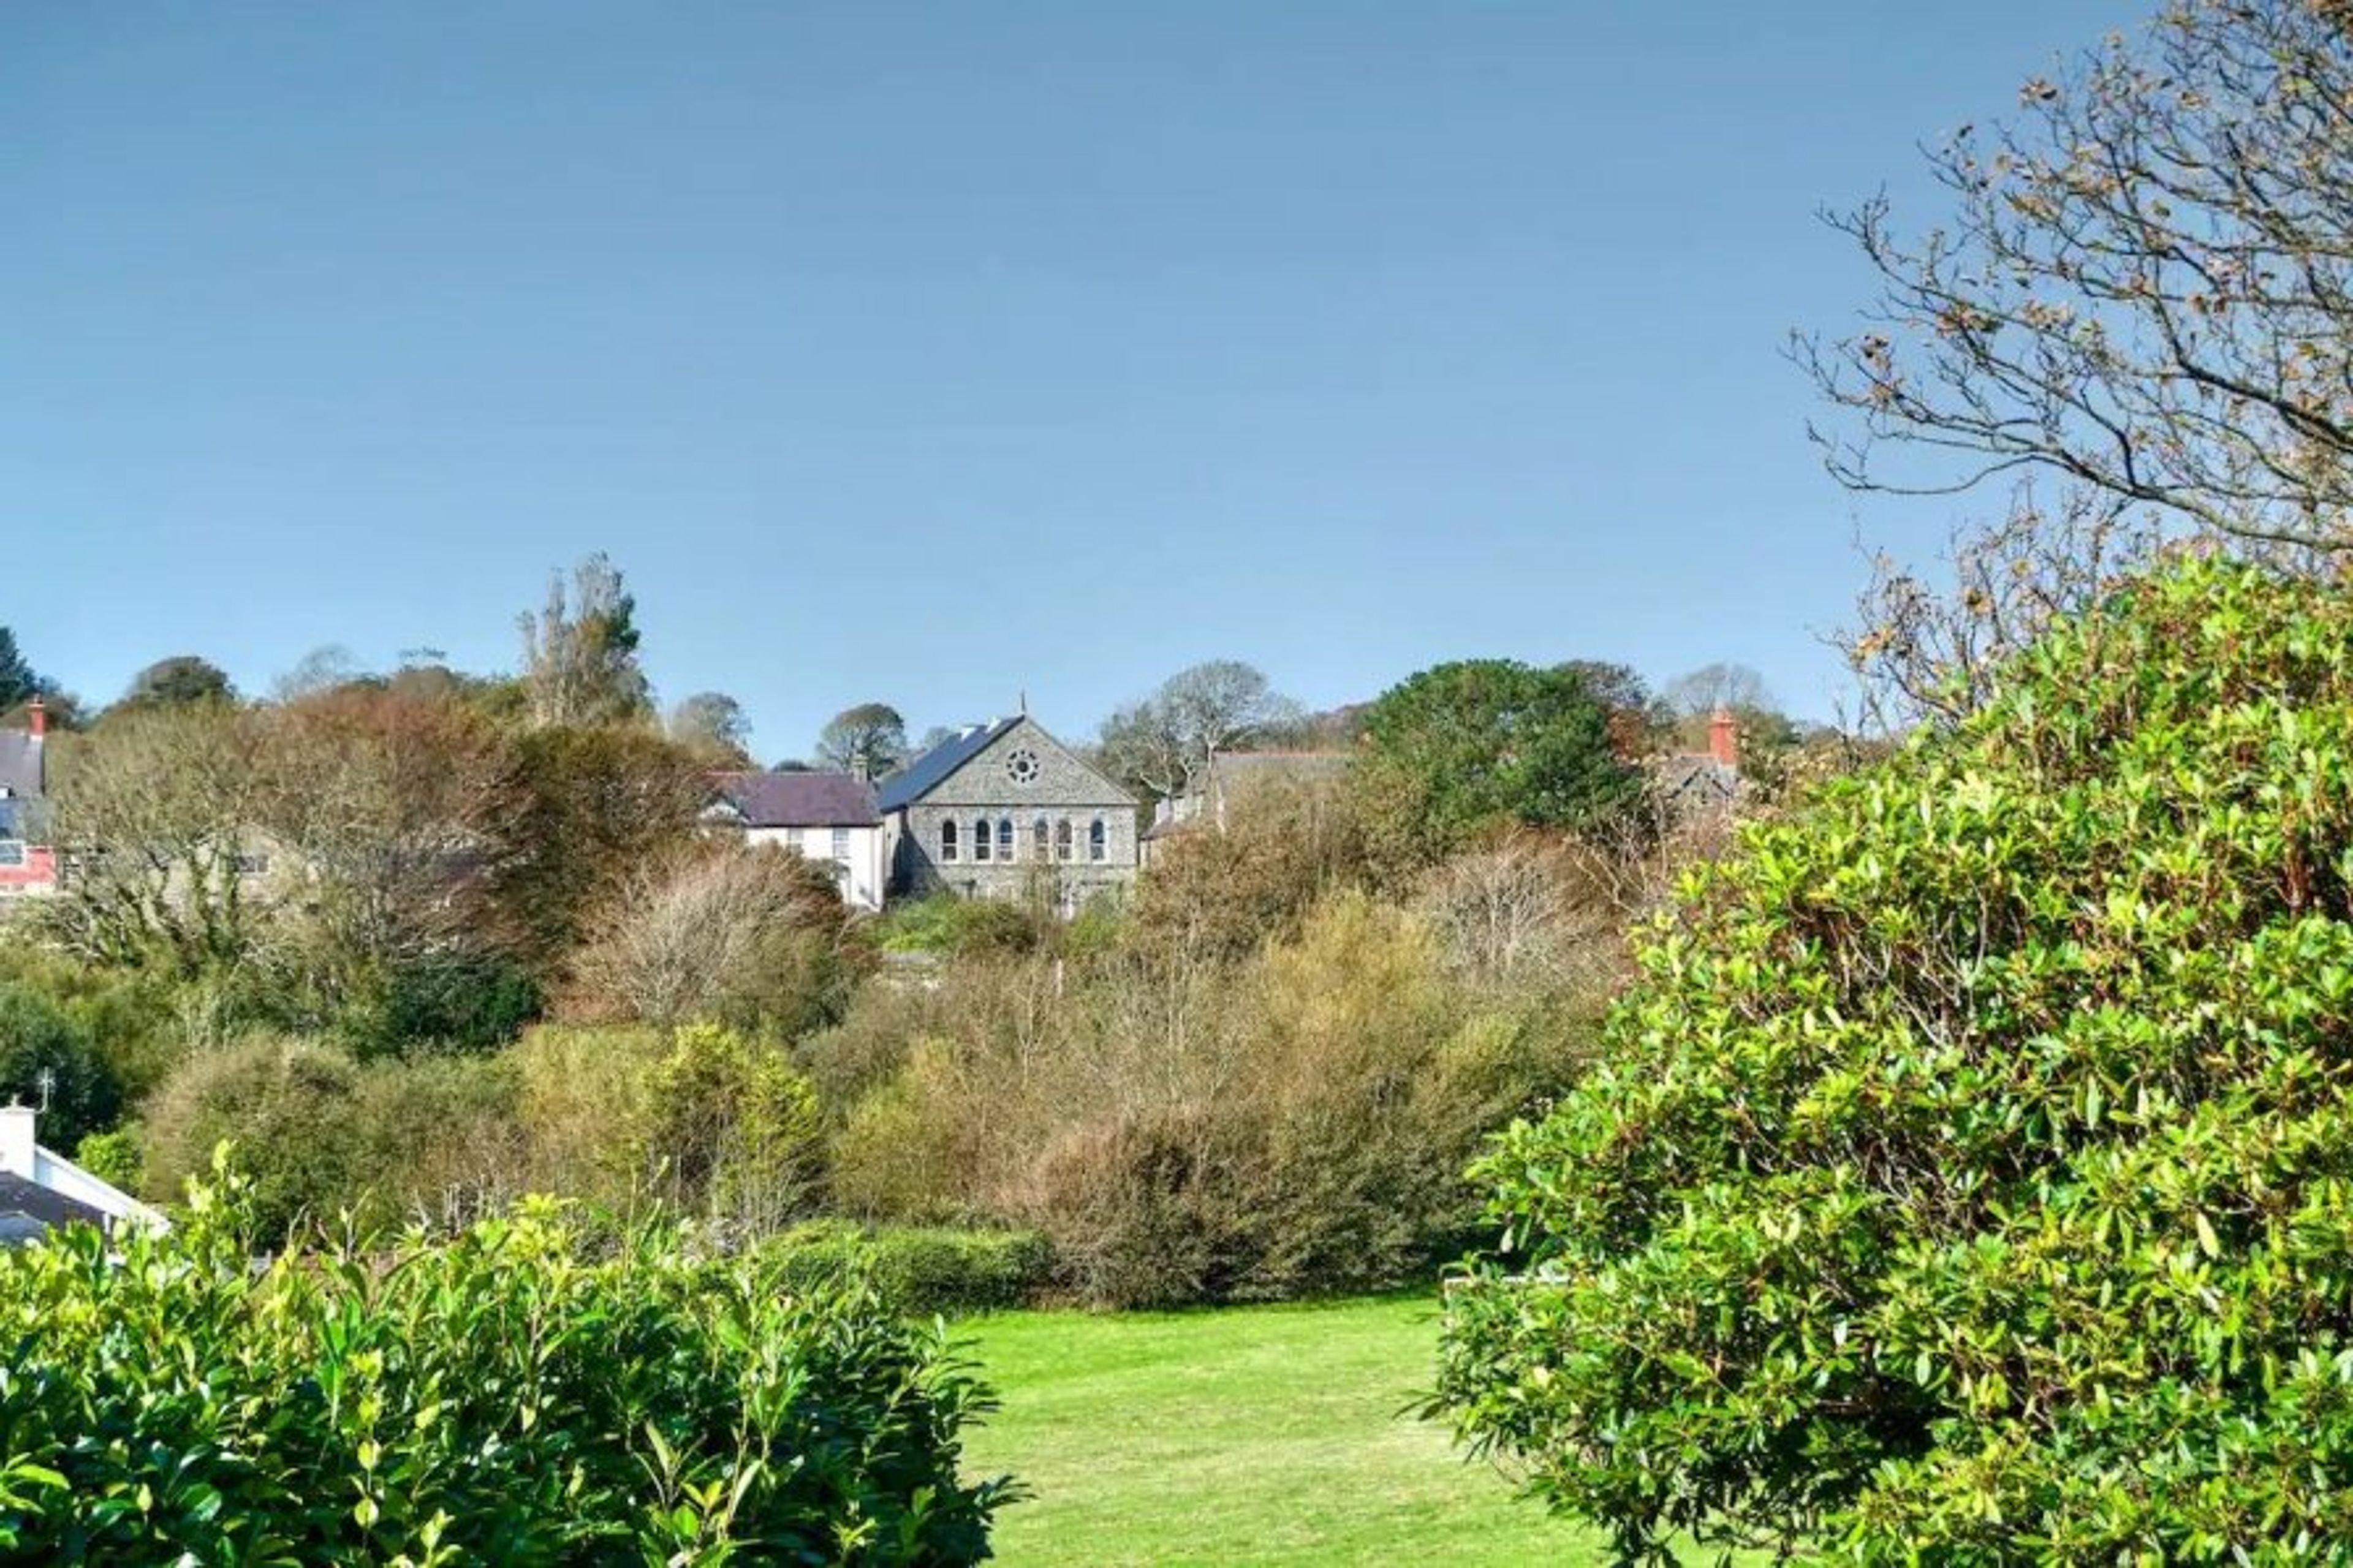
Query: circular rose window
{"x": 1021, "y": 766}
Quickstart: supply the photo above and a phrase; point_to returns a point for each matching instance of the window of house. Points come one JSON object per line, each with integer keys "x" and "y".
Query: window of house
{"x": 1062, "y": 839}
{"x": 948, "y": 840}
{"x": 980, "y": 839}
{"x": 12, "y": 852}
{"x": 793, "y": 838}
{"x": 1040, "y": 839}
{"x": 841, "y": 844}
{"x": 1098, "y": 839}
{"x": 1005, "y": 838}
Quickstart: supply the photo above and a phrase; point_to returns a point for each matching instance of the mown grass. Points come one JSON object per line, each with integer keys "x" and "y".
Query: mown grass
{"x": 1271, "y": 1435}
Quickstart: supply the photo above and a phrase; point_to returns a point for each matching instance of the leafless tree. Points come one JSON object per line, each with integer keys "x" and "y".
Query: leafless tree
{"x": 2146, "y": 285}
{"x": 1934, "y": 655}
{"x": 1734, "y": 686}
{"x": 729, "y": 933}
{"x": 1163, "y": 743}
{"x": 151, "y": 812}
{"x": 323, "y": 668}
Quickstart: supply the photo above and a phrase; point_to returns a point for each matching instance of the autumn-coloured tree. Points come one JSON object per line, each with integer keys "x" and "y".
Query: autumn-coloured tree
{"x": 595, "y": 804}
{"x": 394, "y": 816}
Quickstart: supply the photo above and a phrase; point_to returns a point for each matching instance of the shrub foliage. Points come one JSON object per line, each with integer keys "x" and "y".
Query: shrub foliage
{"x": 507, "y": 1396}
{"x": 1970, "y": 1178}
{"x": 922, "y": 1270}
{"x": 1184, "y": 1131}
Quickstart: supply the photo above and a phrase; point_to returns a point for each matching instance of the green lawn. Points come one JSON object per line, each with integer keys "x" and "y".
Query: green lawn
{"x": 1259, "y": 1435}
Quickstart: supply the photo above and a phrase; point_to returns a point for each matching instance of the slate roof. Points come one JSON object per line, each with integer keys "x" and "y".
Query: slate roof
{"x": 20, "y": 764}
{"x": 1696, "y": 777}
{"x": 24, "y": 1205}
{"x": 800, "y": 800}
{"x": 926, "y": 773}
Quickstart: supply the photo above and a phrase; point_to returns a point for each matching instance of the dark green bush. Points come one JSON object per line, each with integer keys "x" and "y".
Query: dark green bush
{"x": 920, "y": 1270}
{"x": 470, "y": 1003}
{"x": 37, "y": 1037}
{"x": 511, "y": 1396}
{"x": 138, "y": 1022}
{"x": 1970, "y": 1178}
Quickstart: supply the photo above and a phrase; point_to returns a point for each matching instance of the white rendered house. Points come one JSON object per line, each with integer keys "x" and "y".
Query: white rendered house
{"x": 827, "y": 817}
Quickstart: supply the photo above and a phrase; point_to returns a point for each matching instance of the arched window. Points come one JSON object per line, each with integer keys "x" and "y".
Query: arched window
{"x": 1062, "y": 839}
{"x": 980, "y": 838}
{"x": 1098, "y": 839}
{"x": 1005, "y": 838}
{"x": 948, "y": 840}
{"x": 1040, "y": 837}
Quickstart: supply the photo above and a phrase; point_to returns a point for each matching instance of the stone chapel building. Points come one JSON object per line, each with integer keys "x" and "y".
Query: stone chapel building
{"x": 998, "y": 809}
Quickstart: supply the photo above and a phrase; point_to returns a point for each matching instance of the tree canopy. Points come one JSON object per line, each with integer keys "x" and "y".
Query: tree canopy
{"x": 1484, "y": 743}
{"x": 869, "y": 740}
{"x": 1162, "y": 745}
{"x": 183, "y": 680}
{"x": 1964, "y": 1180}
{"x": 580, "y": 651}
{"x": 18, "y": 684}
{"x": 713, "y": 725}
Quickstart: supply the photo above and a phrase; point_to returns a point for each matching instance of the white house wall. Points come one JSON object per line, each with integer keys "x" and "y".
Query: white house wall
{"x": 866, "y": 864}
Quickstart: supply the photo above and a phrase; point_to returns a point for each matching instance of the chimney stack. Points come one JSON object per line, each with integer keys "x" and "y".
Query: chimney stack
{"x": 16, "y": 1140}
{"x": 1723, "y": 738}
{"x": 37, "y": 716}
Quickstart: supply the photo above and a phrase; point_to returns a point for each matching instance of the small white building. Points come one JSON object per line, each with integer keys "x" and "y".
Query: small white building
{"x": 827, "y": 817}
{"x": 40, "y": 1189}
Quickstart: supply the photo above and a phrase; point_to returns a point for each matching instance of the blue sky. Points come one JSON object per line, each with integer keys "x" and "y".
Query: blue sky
{"x": 931, "y": 353}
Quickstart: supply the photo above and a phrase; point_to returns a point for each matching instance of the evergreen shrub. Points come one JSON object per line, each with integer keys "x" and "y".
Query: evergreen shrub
{"x": 515, "y": 1394}
{"x": 1969, "y": 1177}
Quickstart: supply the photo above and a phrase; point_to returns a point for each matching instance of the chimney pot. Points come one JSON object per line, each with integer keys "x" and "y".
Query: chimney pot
{"x": 1724, "y": 738}
{"x": 38, "y": 715}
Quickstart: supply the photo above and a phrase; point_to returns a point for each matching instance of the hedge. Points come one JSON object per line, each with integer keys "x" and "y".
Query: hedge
{"x": 920, "y": 1270}
{"x": 513, "y": 1395}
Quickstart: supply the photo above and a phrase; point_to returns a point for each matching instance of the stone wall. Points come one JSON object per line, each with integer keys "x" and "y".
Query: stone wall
{"x": 1023, "y": 776}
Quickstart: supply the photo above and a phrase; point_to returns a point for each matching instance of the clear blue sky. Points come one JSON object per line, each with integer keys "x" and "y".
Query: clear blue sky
{"x": 935, "y": 352}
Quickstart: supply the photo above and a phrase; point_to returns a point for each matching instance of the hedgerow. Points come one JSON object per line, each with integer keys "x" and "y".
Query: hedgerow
{"x": 1970, "y": 1175}
{"x": 922, "y": 1270}
{"x": 515, "y": 1394}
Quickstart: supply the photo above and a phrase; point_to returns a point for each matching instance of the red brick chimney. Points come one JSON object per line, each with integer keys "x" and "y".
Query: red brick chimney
{"x": 37, "y": 716}
{"x": 1723, "y": 738}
